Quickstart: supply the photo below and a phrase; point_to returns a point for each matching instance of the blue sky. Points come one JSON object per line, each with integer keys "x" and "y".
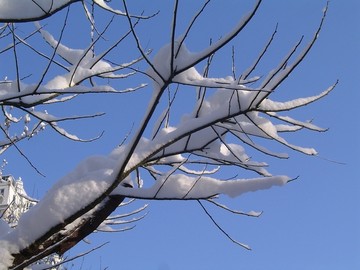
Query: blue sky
{"x": 311, "y": 223}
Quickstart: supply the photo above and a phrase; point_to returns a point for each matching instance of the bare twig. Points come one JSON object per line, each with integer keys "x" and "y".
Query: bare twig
{"x": 76, "y": 257}
{"x": 13, "y": 142}
{"x": 221, "y": 229}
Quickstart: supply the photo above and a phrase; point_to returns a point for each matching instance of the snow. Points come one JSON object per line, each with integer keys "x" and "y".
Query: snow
{"x": 82, "y": 65}
{"x": 180, "y": 186}
{"x": 70, "y": 194}
{"x": 273, "y": 106}
{"x": 183, "y": 69}
{"x": 105, "y": 6}
{"x": 10, "y": 9}
{"x": 296, "y": 123}
{"x": 160, "y": 72}
{"x": 6, "y": 258}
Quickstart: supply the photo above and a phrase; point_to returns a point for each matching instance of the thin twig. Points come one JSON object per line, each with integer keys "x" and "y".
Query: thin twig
{"x": 21, "y": 152}
{"x": 76, "y": 257}
{"x": 190, "y": 26}
{"x": 138, "y": 43}
{"x": 221, "y": 229}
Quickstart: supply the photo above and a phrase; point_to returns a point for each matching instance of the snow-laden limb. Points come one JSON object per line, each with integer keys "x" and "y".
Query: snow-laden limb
{"x": 161, "y": 73}
{"x": 272, "y": 106}
{"x": 183, "y": 187}
{"x": 184, "y": 157}
{"x": 204, "y": 143}
{"x": 10, "y": 11}
{"x": 46, "y": 119}
{"x": 104, "y": 5}
{"x": 32, "y": 95}
{"x": 202, "y": 133}
{"x": 247, "y": 140}
{"x": 83, "y": 65}
{"x": 35, "y": 10}
{"x": 178, "y": 58}
{"x": 92, "y": 177}
{"x": 40, "y": 9}
{"x": 80, "y": 65}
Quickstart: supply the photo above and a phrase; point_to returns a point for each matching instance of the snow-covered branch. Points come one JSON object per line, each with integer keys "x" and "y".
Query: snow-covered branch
{"x": 34, "y": 10}
{"x": 169, "y": 158}
{"x": 80, "y": 66}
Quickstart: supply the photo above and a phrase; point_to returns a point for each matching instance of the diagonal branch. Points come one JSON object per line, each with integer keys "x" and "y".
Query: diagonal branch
{"x": 221, "y": 229}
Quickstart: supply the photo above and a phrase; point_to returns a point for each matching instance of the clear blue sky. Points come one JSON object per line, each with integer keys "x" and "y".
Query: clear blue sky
{"x": 312, "y": 223}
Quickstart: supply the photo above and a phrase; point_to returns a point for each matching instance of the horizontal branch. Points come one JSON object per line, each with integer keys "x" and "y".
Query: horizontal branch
{"x": 9, "y": 12}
